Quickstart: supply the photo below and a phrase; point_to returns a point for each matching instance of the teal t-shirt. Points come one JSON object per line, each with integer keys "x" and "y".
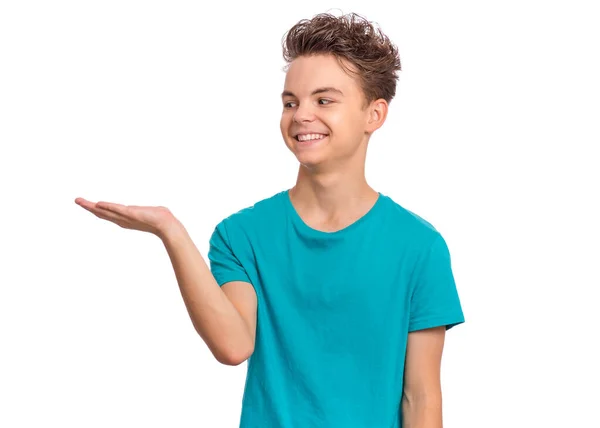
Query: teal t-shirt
{"x": 334, "y": 310}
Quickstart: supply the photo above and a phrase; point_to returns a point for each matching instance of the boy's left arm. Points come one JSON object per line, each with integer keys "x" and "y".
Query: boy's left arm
{"x": 422, "y": 394}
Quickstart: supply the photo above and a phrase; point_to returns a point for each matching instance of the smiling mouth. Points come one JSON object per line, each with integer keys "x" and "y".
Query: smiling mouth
{"x": 311, "y": 140}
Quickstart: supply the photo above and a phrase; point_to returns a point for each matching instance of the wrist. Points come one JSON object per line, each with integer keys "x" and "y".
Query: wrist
{"x": 171, "y": 230}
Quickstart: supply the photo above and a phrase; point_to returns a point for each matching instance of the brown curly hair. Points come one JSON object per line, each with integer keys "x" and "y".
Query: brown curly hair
{"x": 353, "y": 38}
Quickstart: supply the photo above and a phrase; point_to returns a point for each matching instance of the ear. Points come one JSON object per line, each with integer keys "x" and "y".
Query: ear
{"x": 377, "y": 112}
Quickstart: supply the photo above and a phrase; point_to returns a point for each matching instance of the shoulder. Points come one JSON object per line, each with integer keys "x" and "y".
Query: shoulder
{"x": 412, "y": 227}
{"x": 255, "y": 215}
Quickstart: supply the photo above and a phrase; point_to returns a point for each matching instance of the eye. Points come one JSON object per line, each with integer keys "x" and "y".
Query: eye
{"x": 287, "y": 105}
{"x": 327, "y": 101}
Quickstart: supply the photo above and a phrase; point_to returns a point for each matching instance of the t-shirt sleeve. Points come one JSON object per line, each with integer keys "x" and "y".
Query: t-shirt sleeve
{"x": 435, "y": 301}
{"x": 224, "y": 264}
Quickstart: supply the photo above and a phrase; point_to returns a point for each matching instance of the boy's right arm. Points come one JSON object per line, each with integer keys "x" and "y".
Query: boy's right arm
{"x": 225, "y": 317}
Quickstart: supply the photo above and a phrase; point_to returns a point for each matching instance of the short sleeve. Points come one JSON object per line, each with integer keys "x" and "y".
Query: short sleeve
{"x": 224, "y": 265}
{"x": 435, "y": 301}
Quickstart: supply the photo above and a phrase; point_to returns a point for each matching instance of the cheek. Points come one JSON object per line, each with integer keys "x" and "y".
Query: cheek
{"x": 284, "y": 123}
{"x": 342, "y": 123}
{"x": 347, "y": 131}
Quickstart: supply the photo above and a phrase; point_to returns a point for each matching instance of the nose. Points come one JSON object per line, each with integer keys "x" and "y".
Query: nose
{"x": 304, "y": 113}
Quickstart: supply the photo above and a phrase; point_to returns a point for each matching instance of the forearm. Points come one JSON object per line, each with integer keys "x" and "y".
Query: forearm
{"x": 213, "y": 315}
{"x": 422, "y": 412}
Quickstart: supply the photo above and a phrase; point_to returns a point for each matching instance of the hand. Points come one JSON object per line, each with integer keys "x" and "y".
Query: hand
{"x": 155, "y": 220}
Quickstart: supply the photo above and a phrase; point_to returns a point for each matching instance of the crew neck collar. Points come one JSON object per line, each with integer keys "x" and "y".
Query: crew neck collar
{"x": 323, "y": 234}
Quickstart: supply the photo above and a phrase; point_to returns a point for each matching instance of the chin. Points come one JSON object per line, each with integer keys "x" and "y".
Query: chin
{"x": 310, "y": 159}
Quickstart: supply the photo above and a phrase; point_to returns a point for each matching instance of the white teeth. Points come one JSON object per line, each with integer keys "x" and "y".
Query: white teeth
{"x": 307, "y": 137}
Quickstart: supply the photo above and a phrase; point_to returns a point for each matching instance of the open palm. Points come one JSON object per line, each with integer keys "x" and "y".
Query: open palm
{"x": 147, "y": 219}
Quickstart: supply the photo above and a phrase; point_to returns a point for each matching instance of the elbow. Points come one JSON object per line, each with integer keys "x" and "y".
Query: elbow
{"x": 417, "y": 408}
{"x": 423, "y": 399}
{"x": 235, "y": 358}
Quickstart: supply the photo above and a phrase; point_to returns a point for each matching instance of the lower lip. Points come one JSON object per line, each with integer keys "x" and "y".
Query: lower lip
{"x": 309, "y": 143}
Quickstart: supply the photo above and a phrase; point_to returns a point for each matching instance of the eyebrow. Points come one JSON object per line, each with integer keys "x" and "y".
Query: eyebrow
{"x": 316, "y": 91}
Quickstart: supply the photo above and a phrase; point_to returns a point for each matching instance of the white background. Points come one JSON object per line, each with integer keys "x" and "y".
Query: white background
{"x": 492, "y": 137}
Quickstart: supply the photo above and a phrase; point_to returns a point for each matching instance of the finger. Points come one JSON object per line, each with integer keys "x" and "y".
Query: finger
{"x": 83, "y": 202}
{"x": 105, "y": 214}
{"x": 110, "y": 206}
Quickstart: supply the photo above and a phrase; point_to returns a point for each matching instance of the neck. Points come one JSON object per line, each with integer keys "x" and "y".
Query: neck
{"x": 332, "y": 193}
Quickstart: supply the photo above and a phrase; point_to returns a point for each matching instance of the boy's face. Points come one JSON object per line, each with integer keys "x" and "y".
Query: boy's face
{"x": 319, "y": 97}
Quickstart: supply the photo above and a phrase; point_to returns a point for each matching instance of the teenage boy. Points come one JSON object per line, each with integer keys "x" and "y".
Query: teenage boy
{"x": 337, "y": 296}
